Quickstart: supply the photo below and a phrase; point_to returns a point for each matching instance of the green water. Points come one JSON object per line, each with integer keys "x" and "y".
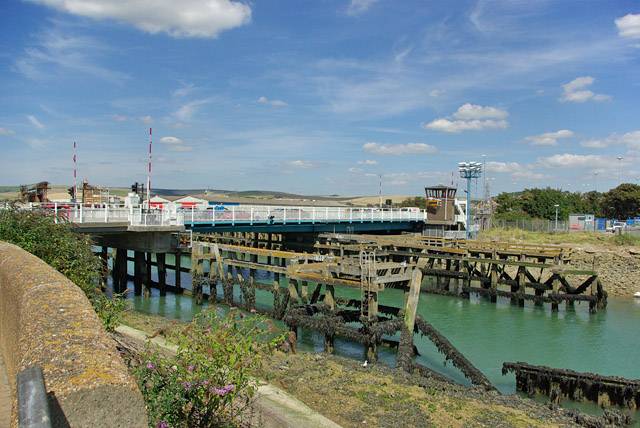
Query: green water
{"x": 488, "y": 334}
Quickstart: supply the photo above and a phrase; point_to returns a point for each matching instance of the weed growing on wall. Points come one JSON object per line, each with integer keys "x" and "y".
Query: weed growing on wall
{"x": 210, "y": 382}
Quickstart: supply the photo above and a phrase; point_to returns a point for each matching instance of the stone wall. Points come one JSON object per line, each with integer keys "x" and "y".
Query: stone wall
{"x": 46, "y": 320}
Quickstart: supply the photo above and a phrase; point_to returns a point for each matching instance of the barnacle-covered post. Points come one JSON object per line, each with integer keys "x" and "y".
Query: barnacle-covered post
{"x": 412, "y": 296}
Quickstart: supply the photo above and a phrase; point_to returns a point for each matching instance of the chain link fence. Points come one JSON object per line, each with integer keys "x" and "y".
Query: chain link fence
{"x": 531, "y": 225}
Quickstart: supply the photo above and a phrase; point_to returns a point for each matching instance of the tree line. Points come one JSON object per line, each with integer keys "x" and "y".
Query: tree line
{"x": 621, "y": 203}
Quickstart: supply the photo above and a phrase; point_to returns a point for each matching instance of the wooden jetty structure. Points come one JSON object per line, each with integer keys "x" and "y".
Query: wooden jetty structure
{"x": 458, "y": 267}
{"x": 305, "y": 289}
{"x": 305, "y": 284}
{"x": 559, "y": 383}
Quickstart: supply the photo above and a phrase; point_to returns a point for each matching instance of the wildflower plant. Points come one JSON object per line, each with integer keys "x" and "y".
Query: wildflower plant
{"x": 209, "y": 383}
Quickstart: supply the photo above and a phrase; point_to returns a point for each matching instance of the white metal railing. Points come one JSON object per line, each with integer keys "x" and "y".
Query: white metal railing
{"x": 228, "y": 214}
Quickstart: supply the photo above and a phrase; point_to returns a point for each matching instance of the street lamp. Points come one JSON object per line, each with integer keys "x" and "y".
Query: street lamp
{"x": 619, "y": 170}
{"x": 556, "y": 205}
{"x": 595, "y": 181}
{"x": 469, "y": 170}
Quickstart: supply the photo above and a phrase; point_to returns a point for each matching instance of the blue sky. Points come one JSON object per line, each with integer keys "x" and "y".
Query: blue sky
{"x": 321, "y": 97}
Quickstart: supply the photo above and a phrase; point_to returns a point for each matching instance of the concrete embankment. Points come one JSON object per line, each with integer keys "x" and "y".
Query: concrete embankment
{"x": 46, "y": 320}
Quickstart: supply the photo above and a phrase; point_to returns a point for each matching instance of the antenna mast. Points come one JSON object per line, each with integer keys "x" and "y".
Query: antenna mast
{"x": 149, "y": 176}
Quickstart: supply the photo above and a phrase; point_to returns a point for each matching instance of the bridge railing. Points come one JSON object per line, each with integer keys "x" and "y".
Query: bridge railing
{"x": 228, "y": 214}
{"x": 284, "y": 214}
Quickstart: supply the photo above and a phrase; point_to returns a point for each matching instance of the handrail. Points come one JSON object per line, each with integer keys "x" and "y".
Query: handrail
{"x": 227, "y": 215}
{"x": 33, "y": 405}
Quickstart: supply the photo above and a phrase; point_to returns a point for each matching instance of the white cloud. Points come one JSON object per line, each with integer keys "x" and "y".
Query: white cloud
{"x": 146, "y": 120}
{"x": 436, "y": 92}
{"x": 398, "y": 149}
{"x": 371, "y": 175}
{"x": 300, "y": 164}
{"x": 35, "y": 122}
{"x": 180, "y": 125}
{"x": 6, "y": 132}
{"x": 549, "y": 138}
{"x": 470, "y": 117}
{"x": 570, "y": 161}
{"x": 359, "y": 6}
{"x": 277, "y": 103}
{"x": 629, "y": 26}
{"x": 457, "y": 126}
{"x": 367, "y": 162}
{"x": 470, "y": 111}
{"x": 179, "y": 148}
{"x": 503, "y": 167}
{"x": 575, "y": 91}
{"x": 596, "y": 144}
{"x": 187, "y": 111}
{"x": 631, "y": 140}
{"x": 355, "y": 170}
{"x": 170, "y": 140}
{"x": 186, "y": 18}
{"x": 57, "y": 54}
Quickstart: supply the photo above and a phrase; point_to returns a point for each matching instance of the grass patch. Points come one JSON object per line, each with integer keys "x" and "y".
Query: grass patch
{"x": 561, "y": 238}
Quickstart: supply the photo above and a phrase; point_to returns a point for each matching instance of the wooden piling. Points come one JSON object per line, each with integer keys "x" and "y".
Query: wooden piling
{"x": 412, "y": 296}
{"x": 162, "y": 273}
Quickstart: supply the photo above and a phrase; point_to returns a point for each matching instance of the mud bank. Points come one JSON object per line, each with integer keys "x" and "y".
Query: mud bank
{"x": 618, "y": 269}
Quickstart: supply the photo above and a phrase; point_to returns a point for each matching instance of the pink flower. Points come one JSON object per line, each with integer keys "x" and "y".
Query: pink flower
{"x": 253, "y": 311}
{"x": 150, "y": 366}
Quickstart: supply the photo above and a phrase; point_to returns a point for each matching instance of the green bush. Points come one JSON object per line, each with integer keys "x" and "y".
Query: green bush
{"x": 210, "y": 381}
{"x": 63, "y": 249}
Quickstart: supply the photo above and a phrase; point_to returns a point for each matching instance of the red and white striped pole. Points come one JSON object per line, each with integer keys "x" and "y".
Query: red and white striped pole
{"x": 75, "y": 179}
{"x": 149, "y": 176}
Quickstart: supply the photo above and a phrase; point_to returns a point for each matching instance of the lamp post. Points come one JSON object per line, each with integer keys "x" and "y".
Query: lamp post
{"x": 619, "y": 169}
{"x": 595, "y": 181}
{"x": 469, "y": 170}
{"x": 484, "y": 179}
{"x": 556, "y": 205}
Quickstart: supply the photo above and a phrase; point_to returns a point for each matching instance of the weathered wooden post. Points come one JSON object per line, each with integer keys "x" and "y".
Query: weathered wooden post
{"x": 138, "y": 268}
{"x": 555, "y": 285}
{"x": 196, "y": 273}
{"x": 146, "y": 278}
{"x": 162, "y": 273}
{"x": 405, "y": 348}
{"x": 521, "y": 281}
{"x": 329, "y": 300}
{"x": 177, "y": 264}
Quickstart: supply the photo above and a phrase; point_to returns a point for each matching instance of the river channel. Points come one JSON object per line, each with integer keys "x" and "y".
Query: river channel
{"x": 488, "y": 334}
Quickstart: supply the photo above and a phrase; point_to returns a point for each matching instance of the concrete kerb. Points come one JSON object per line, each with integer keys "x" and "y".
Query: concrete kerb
{"x": 276, "y": 408}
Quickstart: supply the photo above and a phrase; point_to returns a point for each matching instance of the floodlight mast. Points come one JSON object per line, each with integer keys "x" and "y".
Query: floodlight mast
{"x": 469, "y": 170}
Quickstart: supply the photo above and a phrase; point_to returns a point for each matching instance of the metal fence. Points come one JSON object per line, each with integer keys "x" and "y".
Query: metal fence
{"x": 531, "y": 225}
